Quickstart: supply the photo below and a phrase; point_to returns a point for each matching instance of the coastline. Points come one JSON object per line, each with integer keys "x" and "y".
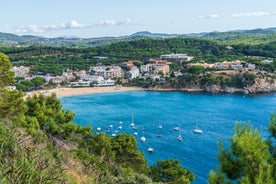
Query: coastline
{"x": 64, "y": 92}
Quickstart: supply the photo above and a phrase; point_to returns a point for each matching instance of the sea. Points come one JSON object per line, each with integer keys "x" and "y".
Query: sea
{"x": 159, "y": 113}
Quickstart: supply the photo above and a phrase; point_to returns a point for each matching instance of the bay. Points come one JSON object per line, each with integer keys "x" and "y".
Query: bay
{"x": 216, "y": 115}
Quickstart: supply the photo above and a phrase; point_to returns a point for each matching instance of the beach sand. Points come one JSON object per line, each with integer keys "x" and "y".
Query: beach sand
{"x": 62, "y": 92}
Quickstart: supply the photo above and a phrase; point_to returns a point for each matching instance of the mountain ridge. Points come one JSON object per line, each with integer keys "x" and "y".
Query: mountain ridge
{"x": 9, "y": 39}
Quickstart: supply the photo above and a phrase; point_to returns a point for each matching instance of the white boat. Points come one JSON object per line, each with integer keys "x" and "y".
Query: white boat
{"x": 110, "y": 126}
{"x": 150, "y": 149}
{"x": 179, "y": 136}
{"x": 120, "y": 122}
{"x": 135, "y": 133}
{"x": 114, "y": 135}
{"x": 120, "y": 127}
{"x": 160, "y": 126}
{"x": 176, "y": 128}
{"x": 132, "y": 123}
{"x": 143, "y": 138}
{"x": 99, "y": 128}
{"x": 158, "y": 135}
{"x": 197, "y": 130}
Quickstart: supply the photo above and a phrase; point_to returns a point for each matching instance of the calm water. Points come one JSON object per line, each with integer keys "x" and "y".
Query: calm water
{"x": 215, "y": 115}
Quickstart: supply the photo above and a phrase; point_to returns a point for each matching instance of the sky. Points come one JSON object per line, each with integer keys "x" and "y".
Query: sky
{"x": 101, "y": 18}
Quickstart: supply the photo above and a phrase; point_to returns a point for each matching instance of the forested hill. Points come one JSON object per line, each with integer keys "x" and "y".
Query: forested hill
{"x": 254, "y": 36}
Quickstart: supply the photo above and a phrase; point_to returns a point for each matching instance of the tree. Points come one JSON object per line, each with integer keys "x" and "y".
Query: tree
{"x": 11, "y": 102}
{"x": 246, "y": 161}
{"x": 127, "y": 153}
{"x": 6, "y": 74}
{"x": 170, "y": 171}
{"x": 38, "y": 82}
{"x": 271, "y": 140}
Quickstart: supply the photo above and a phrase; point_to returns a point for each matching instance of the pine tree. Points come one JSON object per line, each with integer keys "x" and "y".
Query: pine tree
{"x": 246, "y": 160}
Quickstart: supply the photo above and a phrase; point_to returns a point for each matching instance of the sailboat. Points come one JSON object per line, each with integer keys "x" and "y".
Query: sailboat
{"x": 159, "y": 128}
{"x": 143, "y": 138}
{"x": 197, "y": 130}
{"x": 132, "y": 123}
{"x": 179, "y": 136}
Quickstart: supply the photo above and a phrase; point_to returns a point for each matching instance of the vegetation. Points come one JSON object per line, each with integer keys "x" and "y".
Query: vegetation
{"x": 41, "y": 144}
{"x": 54, "y": 60}
{"x": 249, "y": 159}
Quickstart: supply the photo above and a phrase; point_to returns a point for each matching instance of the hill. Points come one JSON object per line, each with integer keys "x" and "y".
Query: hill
{"x": 254, "y": 36}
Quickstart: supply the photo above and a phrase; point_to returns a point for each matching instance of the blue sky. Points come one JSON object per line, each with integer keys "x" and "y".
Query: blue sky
{"x": 91, "y": 18}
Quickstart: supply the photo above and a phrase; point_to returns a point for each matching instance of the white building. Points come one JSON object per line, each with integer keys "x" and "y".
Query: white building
{"x": 92, "y": 78}
{"x": 108, "y": 72}
{"x": 267, "y": 61}
{"x": 108, "y": 82}
{"x": 251, "y": 66}
{"x": 21, "y": 71}
{"x": 173, "y": 56}
{"x": 134, "y": 71}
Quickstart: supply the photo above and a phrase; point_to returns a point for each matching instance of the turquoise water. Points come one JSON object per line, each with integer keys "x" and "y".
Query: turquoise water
{"x": 214, "y": 114}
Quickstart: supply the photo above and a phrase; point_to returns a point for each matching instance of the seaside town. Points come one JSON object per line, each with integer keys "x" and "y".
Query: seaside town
{"x": 155, "y": 69}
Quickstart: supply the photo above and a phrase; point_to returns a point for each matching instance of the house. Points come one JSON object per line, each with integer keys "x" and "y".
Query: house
{"x": 205, "y": 65}
{"x": 251, "y": 66}
{"x": 80, "y": 84}
{"x": 165, "y": 69}
{"x": 107, "y": 82}
{"x": 130, "y": 63}
{"x": 267, "y": 61}
{"x": 225, "y": 65}
{"x": 21, "y": 71}
{"x": 177, "y": 57}
{"x": 134, "y": 71}
{"x": 108, "y": 72}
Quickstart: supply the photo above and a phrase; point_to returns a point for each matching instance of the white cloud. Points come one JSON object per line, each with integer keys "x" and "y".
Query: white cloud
{"x": 116, "y": 23}
{"x": 254, "y": 14}
{"x": 70, "y": 25}
{"x": 29, "y": 29}
{"x": 213, "y": 16}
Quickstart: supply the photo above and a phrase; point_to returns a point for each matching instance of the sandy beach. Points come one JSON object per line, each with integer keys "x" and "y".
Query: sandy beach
{"x": 62, "y": 92}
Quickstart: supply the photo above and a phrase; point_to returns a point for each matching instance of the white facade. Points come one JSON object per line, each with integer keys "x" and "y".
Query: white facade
{"x": 108, "y": 72}
{"x": 177, "y": 57}
{"x": 267, "y": 61}
{"x": 108, "y": 82}
{"x": 92, "y": 78}
{"x": 134, "y": 71}
{"x": 21, "y": 71}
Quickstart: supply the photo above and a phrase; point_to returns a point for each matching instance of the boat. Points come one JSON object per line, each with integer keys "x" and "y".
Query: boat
{"x": 143, "y": 138}
{"x": 110, "y": 126}
{"x": 120, "y": 127}
{"x": 99, "y": 128}
{"x": 158, "y": 135}
{"x": 114, "y": 135}
{"x": 179, "y": 136}
{"x": 150, "y": 149}
{"x": 197, "y": 130}
{"x": 132, "y": 123}
{"x": 135, "y": 133}
{"x": 159, "y": 128}
{"x": 176, "y": 128}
